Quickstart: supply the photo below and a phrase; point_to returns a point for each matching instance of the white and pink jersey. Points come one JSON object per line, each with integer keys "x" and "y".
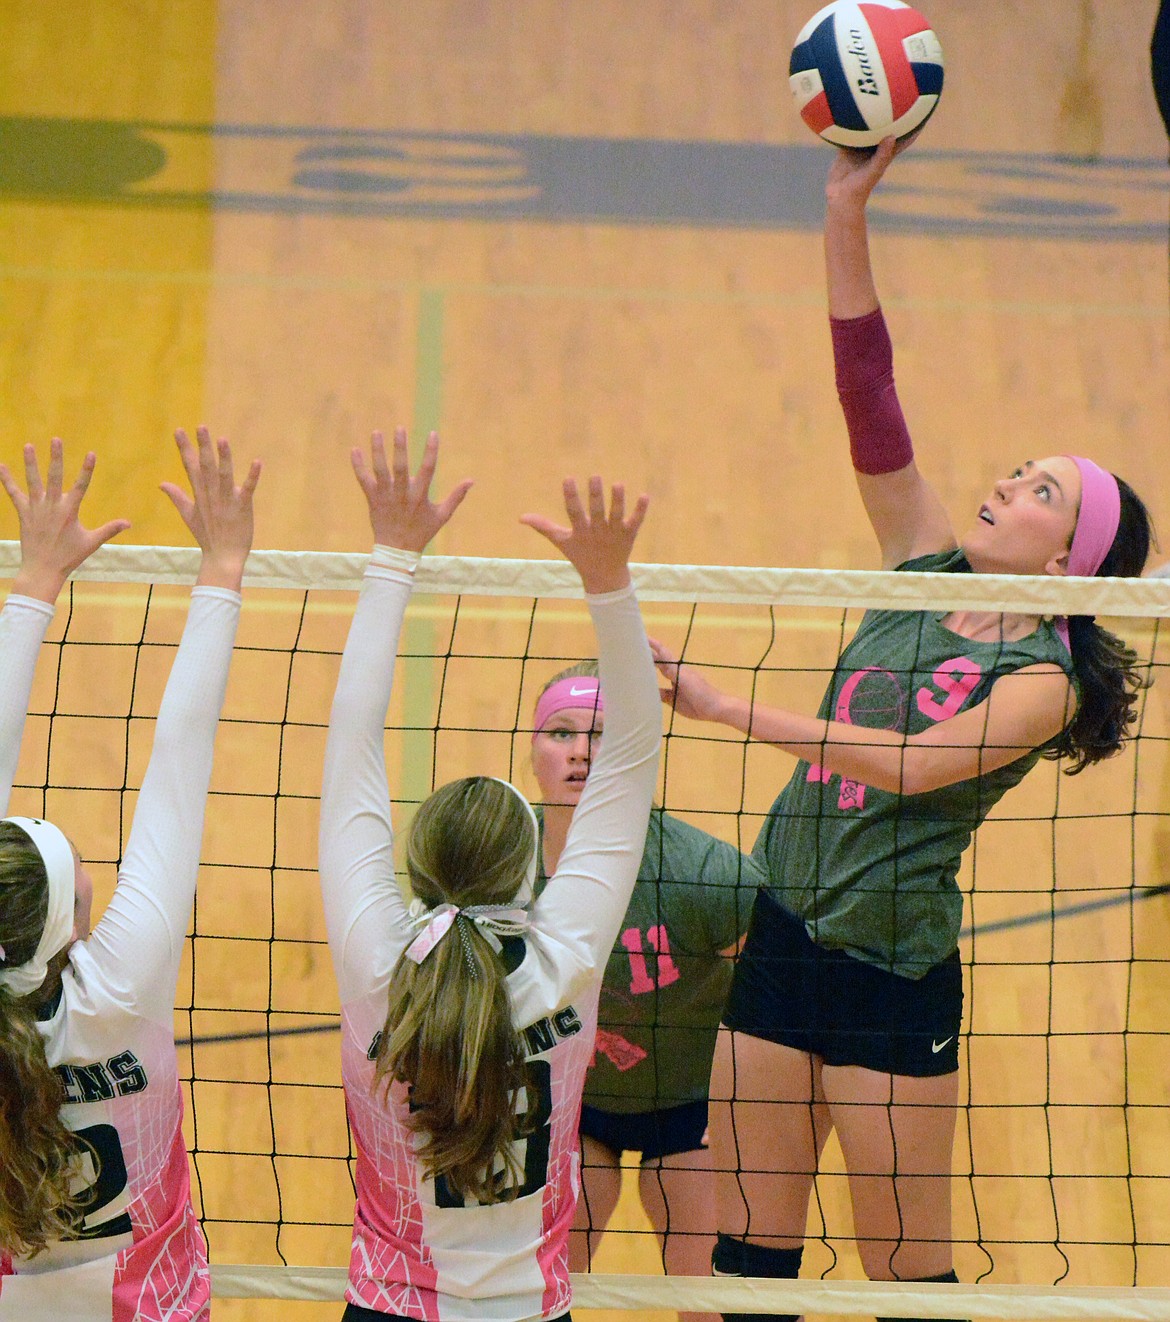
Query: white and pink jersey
{"x": 418, "y": 1250}
{"x": 139, "y": 1255}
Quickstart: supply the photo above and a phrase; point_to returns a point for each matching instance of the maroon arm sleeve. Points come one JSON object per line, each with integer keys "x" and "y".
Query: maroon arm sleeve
{"x": 863, "y": 357}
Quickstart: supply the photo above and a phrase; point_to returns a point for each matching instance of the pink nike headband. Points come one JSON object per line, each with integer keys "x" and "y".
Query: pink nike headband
{"x": 580, "y": 691}
{"x": 1097, "y": 519}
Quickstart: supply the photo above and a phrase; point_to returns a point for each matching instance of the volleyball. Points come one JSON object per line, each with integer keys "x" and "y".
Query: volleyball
{"x": 863, "y": 70}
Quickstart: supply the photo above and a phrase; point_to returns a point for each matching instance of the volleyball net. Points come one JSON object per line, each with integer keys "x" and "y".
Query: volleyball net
{"x": 1062, "y": 1159}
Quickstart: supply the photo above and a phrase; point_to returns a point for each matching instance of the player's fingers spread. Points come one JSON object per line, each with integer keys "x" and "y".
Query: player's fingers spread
{"x": 573, "y": 507}
{"x": 8, "y": 482}
{"x": 634, "y": 522}
{"x": 401, "y": 457}
{"x": 56, "y": 466}
{"x": 378, "y": 465}
{"x": 617, "y": 503}
{"x": 253, "y": 476}
{"x": 553, "y": 531}
{"x": 223, "y": 457}
{"x": 426, "y": 469}
{"x": 455, "y": 499}
{"x": 596, "y": 499}
{"x": 178, "y": 498}
{"x": 203, "y": 459}
{"x": 188, "y": 455}
{"x": 103, "y": 534}
{"x": 32, "y": 472}
{"x": 81, "y": 485}
{"x": 357, "y": 460}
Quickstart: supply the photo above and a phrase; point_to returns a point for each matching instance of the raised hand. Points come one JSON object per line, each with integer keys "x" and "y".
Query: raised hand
{"x": 217, "y": 511}
{"x": 53, "y": 541}
{"x": 854, "y": 175}
{"x": 402, "y": 513}
{"x": 686, "y": 690}
{"x": 597, "y": 544}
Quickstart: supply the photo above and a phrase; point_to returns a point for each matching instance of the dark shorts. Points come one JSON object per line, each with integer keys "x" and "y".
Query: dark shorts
{"x": 356, "y": 1313}
{"x": 789, "y": 990}
{"x": 654, "y": 1134}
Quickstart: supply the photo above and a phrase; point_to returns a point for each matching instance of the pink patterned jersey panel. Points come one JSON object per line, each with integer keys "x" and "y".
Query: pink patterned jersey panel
{"x": 421, "y": 1250}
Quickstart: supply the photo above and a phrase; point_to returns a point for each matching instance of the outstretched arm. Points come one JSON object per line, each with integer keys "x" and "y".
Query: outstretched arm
{"x": 1024, "y": 710}
{"x": 53, "y": 543}
{"x": 905, "y": 514}
{"x": 138, "y": 942}
{"x": 577, "y": 916}
{"x": 363, "y": 906}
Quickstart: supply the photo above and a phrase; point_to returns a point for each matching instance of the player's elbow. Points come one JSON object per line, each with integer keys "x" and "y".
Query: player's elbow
{"x": 920, "y": 772}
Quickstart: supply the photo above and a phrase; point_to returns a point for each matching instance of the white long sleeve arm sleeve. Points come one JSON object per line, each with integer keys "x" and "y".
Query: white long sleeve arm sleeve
{"x": 137, "y": 945}
{"x": 364, "y": 912}
{"x": 576, "y": 919}
{"x": 23, "y": 623}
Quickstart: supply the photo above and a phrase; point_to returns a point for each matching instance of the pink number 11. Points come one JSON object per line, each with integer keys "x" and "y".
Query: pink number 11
{"x": 640, "y": 979}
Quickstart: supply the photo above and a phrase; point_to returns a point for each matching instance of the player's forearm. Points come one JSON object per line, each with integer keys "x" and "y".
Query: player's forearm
{"x": 852, "y": 292}
{"x": 881, "y": 758}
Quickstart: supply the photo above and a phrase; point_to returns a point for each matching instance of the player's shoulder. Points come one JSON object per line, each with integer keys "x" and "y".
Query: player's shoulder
{"x": 685, "y": 853}
{"x": 951, "y": 560}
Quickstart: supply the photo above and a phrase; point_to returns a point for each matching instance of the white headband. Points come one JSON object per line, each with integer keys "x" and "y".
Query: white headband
{"x": 528, "y": 885}
{"x": 57, "y": 855}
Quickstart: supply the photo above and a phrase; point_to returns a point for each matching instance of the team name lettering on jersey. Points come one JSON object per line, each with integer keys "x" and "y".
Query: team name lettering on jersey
{"x": 873, "y": 697}
{"x": 119, "y": 1076}
{"x": 543, "y": 1035}
{"x": 538, "y": 1037}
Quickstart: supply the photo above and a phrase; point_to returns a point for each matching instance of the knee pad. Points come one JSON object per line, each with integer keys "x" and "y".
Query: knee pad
{"x": 947, "y": 1278}
{"x": 736, "y": 1257}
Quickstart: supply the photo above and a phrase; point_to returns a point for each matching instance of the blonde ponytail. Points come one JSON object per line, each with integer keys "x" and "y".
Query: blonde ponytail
{"x": 448, "y": 1031}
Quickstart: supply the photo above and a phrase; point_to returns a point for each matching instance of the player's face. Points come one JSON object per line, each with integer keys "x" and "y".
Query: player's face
{"x": 563, "y": 752}
{"x": 1027, "y": 523}
{"x": 82, "y": 900}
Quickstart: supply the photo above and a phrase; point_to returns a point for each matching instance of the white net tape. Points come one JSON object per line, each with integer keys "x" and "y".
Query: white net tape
{"x": 756, "y": 1295}
{"x": 730, "y": 584}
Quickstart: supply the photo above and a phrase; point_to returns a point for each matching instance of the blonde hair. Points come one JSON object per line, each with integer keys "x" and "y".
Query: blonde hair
{"x": 449, "y": 1031}
{"x": 38, "y": 1154}
{"x": 582, "y": 670}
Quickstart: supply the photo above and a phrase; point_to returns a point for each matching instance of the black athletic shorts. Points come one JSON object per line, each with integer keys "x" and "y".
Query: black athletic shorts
{"x": 356, "y": 1313}
{"x": 789, "y": 990}
{"x": 654, "y": 1134}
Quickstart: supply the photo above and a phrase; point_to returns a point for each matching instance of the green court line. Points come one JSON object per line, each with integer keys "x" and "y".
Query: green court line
{"x": 601, "y": 293}
{"x": 419, "y": 632}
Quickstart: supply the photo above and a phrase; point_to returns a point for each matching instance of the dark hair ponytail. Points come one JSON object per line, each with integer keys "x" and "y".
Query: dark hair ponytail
{"x": 1107, "y": 669}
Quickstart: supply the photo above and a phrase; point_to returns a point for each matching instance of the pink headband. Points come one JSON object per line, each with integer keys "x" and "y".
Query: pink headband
{"x": 581, "y": 691}
{"x": 1097, "y": 520}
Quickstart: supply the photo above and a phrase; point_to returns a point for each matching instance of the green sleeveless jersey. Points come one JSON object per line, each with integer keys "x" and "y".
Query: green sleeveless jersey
{"x": 871, "y": 872}
{"x": 667, "y": 978}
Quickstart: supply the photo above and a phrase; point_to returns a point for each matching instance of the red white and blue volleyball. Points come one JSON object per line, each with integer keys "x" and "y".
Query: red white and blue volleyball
{"x": 863, "y": 70}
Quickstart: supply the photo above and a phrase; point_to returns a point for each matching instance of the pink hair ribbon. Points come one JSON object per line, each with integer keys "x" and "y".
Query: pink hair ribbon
{"x": 494, "y": 920}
